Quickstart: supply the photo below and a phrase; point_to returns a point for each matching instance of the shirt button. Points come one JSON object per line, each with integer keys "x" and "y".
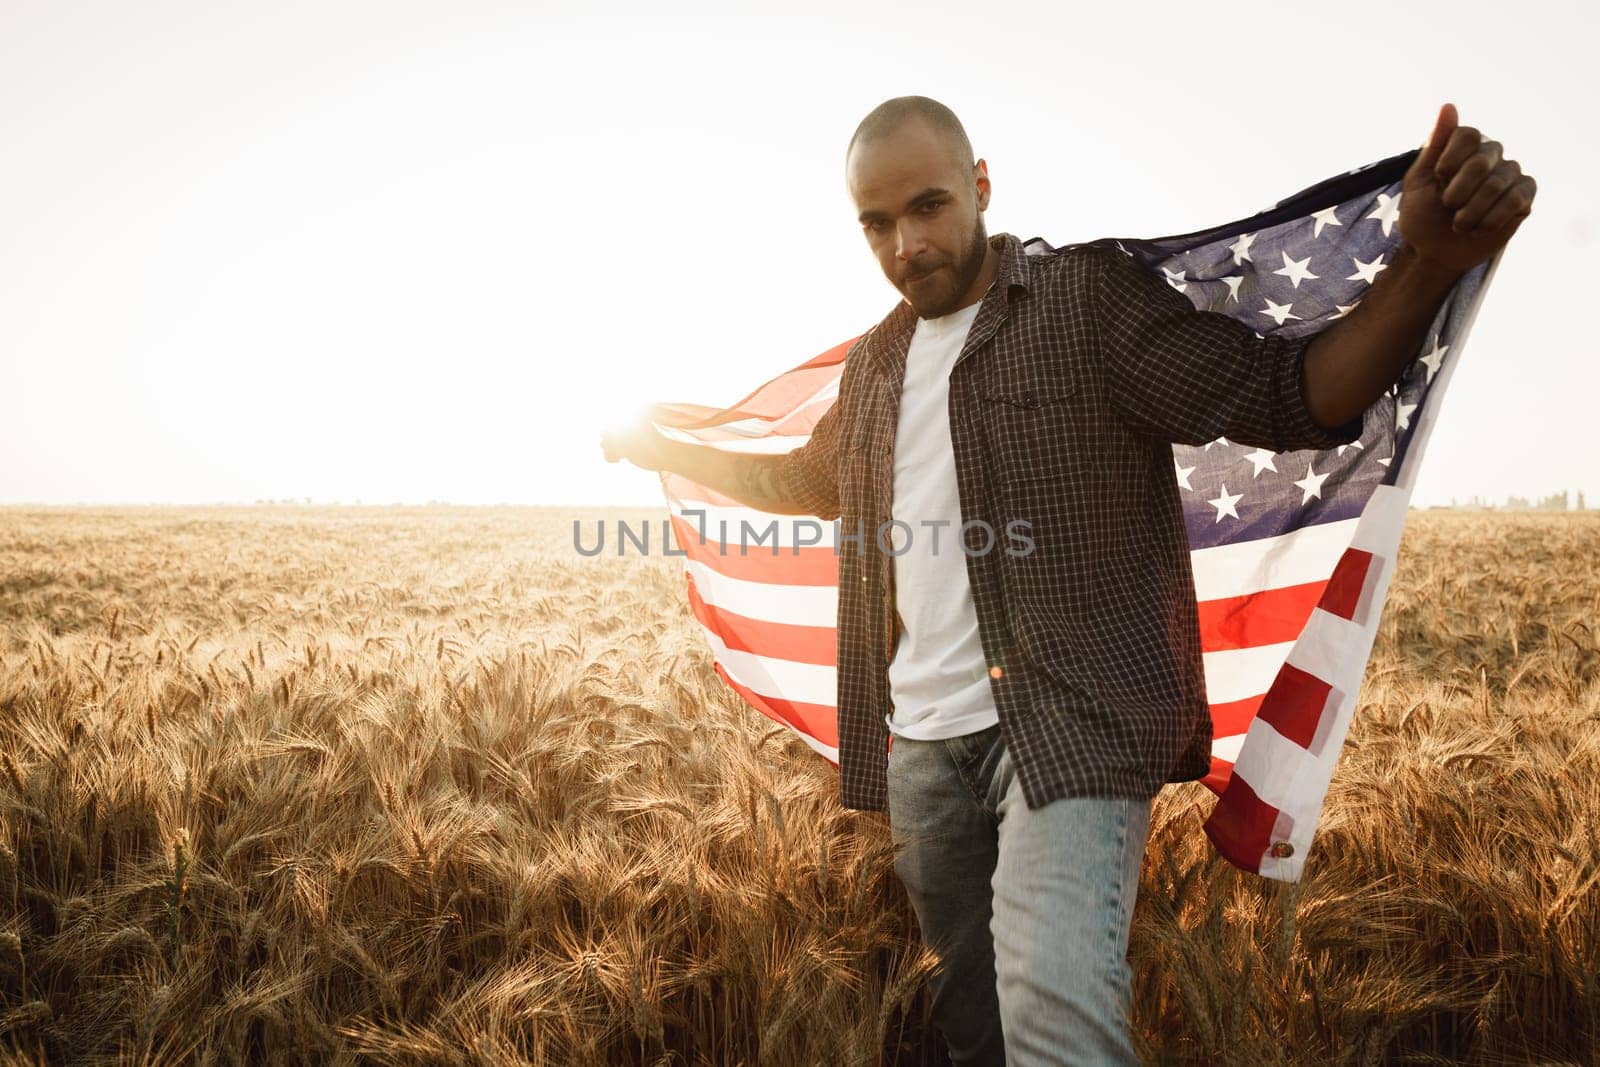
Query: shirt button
{"x": 1028, "y": 400}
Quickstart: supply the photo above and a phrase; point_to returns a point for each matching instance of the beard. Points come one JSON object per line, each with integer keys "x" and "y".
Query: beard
{"x": 935, "y": 300}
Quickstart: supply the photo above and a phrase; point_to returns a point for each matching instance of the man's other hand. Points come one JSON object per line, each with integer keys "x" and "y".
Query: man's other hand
{"x": 636, "y": 441}
{"x": 1461, "y": 200}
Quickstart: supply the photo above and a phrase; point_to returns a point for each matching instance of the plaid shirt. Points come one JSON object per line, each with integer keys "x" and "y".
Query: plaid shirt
{"x": 1079, "y": 372}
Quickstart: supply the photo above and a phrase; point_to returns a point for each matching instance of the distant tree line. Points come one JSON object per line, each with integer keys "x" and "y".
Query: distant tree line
{"x": 1554, "y": 502}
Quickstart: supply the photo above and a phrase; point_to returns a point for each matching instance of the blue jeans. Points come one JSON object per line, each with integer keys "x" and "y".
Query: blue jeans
{"x": 1028, "y": 910}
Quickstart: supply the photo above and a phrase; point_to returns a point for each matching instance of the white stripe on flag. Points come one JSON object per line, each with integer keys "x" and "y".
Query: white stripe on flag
{"x": 1383, "y": 521}
{"x": 1308, "y": 554}
{"x": 797, "y": 605}
{"x": 782, "y": 679}
{"x": 1227, "y": 748}
{"x": 1240, "y": 673}
{"x": 1325, "y": 649}
{"x": 1270, "y": 763}
{"x": 828, "y": 751}
{"x": 765, "y": 445}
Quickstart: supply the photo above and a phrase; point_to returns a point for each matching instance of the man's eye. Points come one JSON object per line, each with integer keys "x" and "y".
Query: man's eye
{"x": 933, "y": 205}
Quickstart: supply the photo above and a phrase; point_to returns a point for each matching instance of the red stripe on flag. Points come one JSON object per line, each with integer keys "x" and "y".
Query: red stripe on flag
{"x": 1349, "y": 578}
{"x": 798, "y": 423}
{"x": 1268, "y": 617}
{"x": 804, "y": 419}
{"x": 1234, "y": 716}
{"x": 1221, "y": 773}
{"x": 802, "y": 644}
{"x": 1241, "y": 825}
{"x": 1293, "y": 705}
{"x": 683, "y": 492}
{"x": 814, "y": 565}
{"x": 773, "y": 398}
{"x": 820, "y": 721}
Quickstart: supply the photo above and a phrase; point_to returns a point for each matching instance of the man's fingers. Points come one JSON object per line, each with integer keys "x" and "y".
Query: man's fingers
{"x": 1464, "y": 141}
{"x": 638, "y": 443}
{"x": 1474, "y": 201}
{"x": 1442, "y": 127}
{"x": 1472, "y": 173}
{"x": 1513, "y": 206}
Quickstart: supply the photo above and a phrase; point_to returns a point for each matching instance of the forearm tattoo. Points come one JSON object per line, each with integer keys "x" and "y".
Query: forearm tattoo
{"x": 759, "y": 482}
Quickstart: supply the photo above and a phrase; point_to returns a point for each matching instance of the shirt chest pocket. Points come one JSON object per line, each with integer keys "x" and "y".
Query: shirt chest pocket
{"x": 1034, "y": 427}
{"x": 864, "y": 469}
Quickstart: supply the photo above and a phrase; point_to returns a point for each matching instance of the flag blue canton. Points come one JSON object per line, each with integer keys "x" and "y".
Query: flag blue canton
{"x": 1292, "y": 270}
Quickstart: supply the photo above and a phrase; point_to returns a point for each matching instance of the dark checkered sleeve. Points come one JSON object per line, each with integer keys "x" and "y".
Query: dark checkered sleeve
{"x": 811, "y": 472}
{"x": 1189, "y": 376}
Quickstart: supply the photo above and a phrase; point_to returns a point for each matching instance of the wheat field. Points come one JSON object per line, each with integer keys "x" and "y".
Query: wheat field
{"x": 389, "y": 785}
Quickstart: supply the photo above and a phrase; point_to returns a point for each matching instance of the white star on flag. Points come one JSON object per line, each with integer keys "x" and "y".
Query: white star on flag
{"x": 1402, "y": 415}
{"x": 1261, "y": 459}
{"x": 1326, "y": 217}
{"x": 1233, "y": 285}
{"x": 1367, "y": 272}
{"x": 1241, "y": 248}
{"x": 1224, "y": 503}
{"x": 1175, "y": 278}
{"x": 1387, "y": 211}
{"x": 1295, "y": 270}
{"x": 1279, "y": 312}
{"x": 1183, "y": 474}
{"x": 1434, "y": 358}
{"x": 1312, "y": 484}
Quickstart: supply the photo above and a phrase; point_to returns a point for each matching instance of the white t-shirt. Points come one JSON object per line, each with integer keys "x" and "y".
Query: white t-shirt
{"x": 938, "y": 679}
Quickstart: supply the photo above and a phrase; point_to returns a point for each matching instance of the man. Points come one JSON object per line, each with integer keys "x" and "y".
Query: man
{"x": 1038, "y": 700}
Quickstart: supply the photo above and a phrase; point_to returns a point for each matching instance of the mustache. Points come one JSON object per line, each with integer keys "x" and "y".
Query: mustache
{"x": 912, "y": 275}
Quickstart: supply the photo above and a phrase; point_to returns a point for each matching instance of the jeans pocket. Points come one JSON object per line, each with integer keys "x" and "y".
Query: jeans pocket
{"x": 974, "y": 756}
{"x": 976, "y": 745}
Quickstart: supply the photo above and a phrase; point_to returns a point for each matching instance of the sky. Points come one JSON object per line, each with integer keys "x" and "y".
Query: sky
{"x": 403, "y": 252}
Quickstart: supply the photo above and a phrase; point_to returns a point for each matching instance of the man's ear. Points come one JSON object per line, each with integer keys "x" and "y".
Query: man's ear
{"x": 980, "y": 178}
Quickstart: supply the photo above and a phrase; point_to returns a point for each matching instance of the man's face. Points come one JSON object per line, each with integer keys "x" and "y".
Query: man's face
{"x": 920, "y": 206}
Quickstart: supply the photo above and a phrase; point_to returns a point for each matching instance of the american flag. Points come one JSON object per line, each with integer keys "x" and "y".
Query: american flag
{"x": 1292, "y": 552}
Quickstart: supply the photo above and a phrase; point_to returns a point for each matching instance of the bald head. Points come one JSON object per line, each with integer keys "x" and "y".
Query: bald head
{"x": 888, "y": 117}
{"x": 920, "y": 196}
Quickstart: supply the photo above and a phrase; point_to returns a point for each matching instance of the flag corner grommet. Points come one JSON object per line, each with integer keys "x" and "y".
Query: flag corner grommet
{"x": 1282, "y": 849}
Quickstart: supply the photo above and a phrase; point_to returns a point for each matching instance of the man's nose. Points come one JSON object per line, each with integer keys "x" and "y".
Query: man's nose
{"x": 908, "y": 241}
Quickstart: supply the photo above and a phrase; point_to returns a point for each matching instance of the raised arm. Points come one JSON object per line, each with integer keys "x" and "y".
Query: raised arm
{"x": 1192, "y": 376}
{"x": 1460, "y": 202}
{"x": 1179, "y": 374}
{"x": 801, "y": 482}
